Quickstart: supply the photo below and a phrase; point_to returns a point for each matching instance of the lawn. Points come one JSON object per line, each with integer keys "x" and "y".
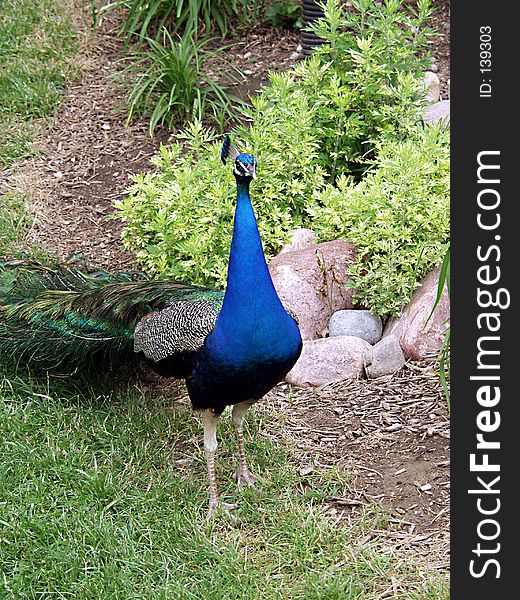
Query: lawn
{"x": 37, "y": 46}
{"x": 37, "y": 42}
{"x": 105, "y": 496}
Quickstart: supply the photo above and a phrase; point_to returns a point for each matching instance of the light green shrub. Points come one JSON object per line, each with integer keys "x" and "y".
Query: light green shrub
{"x": 353, "y": 104}
{"x": 178, "y": 219}
{"x": 366, "y": 79}
{"x": 397, "y": 216}
{"x": 363, "y": 83}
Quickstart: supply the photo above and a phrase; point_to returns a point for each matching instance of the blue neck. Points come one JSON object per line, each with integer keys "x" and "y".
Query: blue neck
{"x": 249, "y": 282}
{"x": 252, "y": 323}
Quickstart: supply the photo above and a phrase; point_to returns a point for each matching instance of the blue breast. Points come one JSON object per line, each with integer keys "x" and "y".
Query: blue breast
{"x": 255, "y": 342}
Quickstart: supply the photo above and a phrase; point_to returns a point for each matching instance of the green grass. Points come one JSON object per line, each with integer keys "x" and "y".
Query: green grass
{"x": 13, "y": 220}
{"x": 106, "y": 497}
{"x": 37, "y": 43}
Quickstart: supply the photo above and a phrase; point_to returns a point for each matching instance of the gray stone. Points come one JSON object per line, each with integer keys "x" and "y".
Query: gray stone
{"x": 311, "y": 283}
{"x": 360, "y": 323}
{"x": 329, "y": 359}
{"x": 432, "y": 85}
{"x": 440, "y": 111}
{"x": 384, "y": 358}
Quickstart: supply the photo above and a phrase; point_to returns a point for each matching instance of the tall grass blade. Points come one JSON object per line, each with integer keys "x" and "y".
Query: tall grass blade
{"x": 444, "y": 352}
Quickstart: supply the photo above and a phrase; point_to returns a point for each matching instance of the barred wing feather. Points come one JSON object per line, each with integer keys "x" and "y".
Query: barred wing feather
{"x": 60, "y": 318}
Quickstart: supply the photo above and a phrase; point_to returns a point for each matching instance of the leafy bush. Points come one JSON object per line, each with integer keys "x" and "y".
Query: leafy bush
{"x": 397, "y": 216}
{"x": 284, "y": 14}
{"x": 365, "y": 80}
{"x": 314, "y": 130}
{"x": 178, "y": 219}
{"x": 168, "y": 83}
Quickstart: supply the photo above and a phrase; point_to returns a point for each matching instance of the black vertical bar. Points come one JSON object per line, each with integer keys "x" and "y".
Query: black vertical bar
{"x": 484, "y": 126}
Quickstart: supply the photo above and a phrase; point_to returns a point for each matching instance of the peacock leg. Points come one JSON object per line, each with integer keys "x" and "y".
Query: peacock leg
{"x": 209, "y": 422}
{"x": 243, "y": 476}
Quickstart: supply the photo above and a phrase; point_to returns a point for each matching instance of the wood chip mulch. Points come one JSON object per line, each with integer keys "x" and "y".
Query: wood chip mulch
{"x": 391, "y": 435}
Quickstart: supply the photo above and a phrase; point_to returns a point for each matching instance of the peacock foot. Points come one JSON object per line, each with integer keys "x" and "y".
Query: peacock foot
{"x": 244, "y": 478}
{"x": 217, "y": 507}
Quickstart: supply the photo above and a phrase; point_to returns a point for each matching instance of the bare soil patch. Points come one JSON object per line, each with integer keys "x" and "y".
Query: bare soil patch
{"x": 87, "y": 156}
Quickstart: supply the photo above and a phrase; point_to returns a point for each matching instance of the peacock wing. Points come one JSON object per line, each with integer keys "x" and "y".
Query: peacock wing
{"x": 57, "y": 317}
{"x": 175, "y": 331}
{"x": 130, "y": 301}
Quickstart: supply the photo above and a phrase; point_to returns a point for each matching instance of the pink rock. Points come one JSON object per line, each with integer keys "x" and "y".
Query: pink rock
{"x": 299, "y": 239}
{"x": 311, "y": 283}
{"x": 418, "y": 339}
{"x": 329, "y": 359}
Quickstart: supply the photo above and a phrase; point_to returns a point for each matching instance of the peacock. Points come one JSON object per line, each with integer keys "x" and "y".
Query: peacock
{"x": 231, "y": 347}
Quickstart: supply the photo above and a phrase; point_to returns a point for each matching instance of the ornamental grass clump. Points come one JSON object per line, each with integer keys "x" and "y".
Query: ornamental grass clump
{"x": 168, "y": 84}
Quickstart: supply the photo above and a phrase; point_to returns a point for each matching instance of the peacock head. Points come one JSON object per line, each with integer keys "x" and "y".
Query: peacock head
{"x": 245, "y": 165}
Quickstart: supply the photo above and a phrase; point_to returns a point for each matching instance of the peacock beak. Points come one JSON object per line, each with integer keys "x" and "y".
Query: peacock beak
{"x": 252, "y": 170}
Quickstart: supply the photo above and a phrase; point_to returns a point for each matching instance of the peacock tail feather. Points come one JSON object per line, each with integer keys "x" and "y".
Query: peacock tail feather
{"x": 61, "y": 318}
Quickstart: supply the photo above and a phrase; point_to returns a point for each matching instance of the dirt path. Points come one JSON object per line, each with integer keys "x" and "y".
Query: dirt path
{"x": 88, "y": 154}
{"x": 391, "y": 434}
